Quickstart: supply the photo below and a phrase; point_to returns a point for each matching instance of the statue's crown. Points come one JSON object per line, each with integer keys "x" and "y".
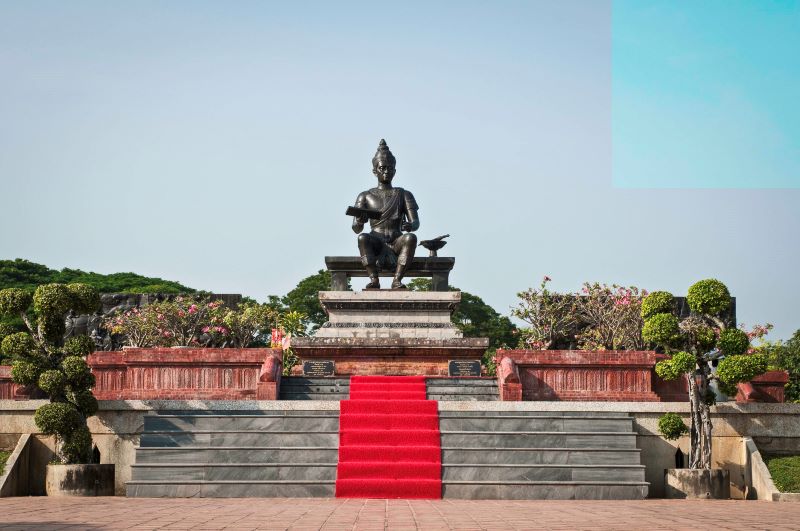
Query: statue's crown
{"x": 383, "y": 153}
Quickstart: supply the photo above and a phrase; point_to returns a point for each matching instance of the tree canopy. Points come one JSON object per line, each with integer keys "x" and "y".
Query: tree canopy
{"x": 25, "y": 274}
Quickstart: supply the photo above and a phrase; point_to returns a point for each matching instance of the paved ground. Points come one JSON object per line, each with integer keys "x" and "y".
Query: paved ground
{"x": 141, "y": 513}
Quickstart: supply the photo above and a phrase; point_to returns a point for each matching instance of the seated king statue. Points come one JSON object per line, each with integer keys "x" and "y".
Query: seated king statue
{"x": 386, "y": 246}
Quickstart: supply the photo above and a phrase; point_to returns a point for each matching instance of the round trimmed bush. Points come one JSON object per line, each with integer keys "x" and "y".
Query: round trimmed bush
{"x": 679, "y": 364}
{"x": 79, "y": 346}
{"x": 708, "y": 296}
{"x": 660, "y": 329}
{"x": 77, "y": 372}
{"x": 671, "y": 426}
{"x": 733, "y": 342}
{"x": 743, "y": 368}
{"x": 14, "y": 301}
{"x": 86, "y": 402}
{"x": 85, "y": 298}
{"x": 52, "y": 300}
{"x": 52, "y": 382}
{"x": 77, "y": 447}
{"x": 24, "y": 373}
{"x": 657, "y": 302}
{"x": 58, "y": 418}
{"x": 17, "y": 345}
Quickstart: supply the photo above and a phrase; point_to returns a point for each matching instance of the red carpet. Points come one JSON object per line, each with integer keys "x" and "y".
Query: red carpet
{"x": 389, "y": 442}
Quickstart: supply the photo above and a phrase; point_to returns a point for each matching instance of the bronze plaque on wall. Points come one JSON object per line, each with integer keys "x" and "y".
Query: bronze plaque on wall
{"x": 318, "y": 368}
{"x": 464, "y": 368}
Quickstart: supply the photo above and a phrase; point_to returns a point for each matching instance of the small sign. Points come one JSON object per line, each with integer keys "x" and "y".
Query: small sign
{"x": 464, "y": 368}
{"x": 318, "y": 368}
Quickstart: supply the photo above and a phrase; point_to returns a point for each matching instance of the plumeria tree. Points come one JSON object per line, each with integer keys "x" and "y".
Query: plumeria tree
{"x": 610, "y": 317}
{"x": 693, "y": 343}
{"x": 552, "y": 317}
{"x": 41, "y": 359}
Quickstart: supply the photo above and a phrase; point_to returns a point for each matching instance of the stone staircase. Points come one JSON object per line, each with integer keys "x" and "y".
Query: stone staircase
{"x": 540, "y": 455}
{"x": 281, "y": 453}
{"x": 309, "y": 388}
{"x": 462, "y": 389}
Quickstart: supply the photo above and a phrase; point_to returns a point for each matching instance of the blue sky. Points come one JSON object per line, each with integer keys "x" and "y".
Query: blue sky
{"x": 218, "y": 143}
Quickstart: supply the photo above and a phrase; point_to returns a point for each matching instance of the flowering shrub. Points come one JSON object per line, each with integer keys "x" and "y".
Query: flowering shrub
{"x": 240, "y": 328}
{"x": 553, "y": 317}
{"x": 177, "y": 322}
{"x": 600, "y": 317}
{"x": 610, "y": 317}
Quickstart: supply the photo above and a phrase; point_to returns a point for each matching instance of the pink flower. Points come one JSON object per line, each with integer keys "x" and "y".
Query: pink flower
{"x": 206, "y": 329}
{"x": 181, "y": 313}
{"x": 193, "y": 308}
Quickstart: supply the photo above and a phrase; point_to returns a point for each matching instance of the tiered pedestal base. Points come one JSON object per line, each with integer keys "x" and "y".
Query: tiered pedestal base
{"x": 385, "y": 356}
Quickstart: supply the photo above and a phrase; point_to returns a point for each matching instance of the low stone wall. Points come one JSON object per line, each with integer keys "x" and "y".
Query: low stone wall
{"x": 118, "y": 425}
{"x": 190, "y": 373}
{"x": 176, "y": 374}
{"x": 614, "y": 375}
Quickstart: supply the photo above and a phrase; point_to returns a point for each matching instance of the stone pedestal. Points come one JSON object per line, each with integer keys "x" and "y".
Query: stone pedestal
{"x": 389, "y": 332}
{"x": 387, "y": 314}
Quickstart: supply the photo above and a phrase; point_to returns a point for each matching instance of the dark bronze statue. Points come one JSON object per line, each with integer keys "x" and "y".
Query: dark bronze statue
{"x": 386, "y": 246}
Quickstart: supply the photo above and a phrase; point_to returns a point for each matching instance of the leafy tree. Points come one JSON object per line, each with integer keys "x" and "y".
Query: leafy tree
{"x": 693, "y": 342}
{"x": 304, "y": 299}
{"x": 21, "y": 273}
{"x": 785, "y": 355}
{"x": 41, "y": 359}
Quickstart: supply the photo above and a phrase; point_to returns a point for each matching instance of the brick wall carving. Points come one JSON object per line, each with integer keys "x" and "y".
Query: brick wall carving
{"x": 191, "y": 373}
{"x": 578, "y": 375}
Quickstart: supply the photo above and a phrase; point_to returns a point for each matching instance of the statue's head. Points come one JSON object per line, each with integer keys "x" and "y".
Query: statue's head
{"x": 383, "y": 163}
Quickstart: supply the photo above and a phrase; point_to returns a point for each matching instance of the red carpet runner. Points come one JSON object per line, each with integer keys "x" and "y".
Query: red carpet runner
{"x": 389, "y": 443}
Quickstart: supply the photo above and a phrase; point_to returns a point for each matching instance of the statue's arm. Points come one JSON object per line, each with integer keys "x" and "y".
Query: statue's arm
{"x": 358, "y": 223}
{"x": 412, "y": 213}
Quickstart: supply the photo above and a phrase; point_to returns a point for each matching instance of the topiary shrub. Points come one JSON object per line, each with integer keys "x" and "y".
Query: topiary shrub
{"x": 710, "y": 297}
{"x": 41, "y": 359}
{"x": 657, "y": 302}
{"x": 660, "y": 328}
{"x": 672, "y": 427}
{"x": 692, "y": 343}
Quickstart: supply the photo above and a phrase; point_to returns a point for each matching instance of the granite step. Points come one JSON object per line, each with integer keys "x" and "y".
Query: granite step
{"x": 231, "y": 489}
{"x": 524, "y": 423}
{"x": 238, "y": 454}
{"x": 484, "y": 413}
{"x": 213, "y": 438}
{"x": 233, "y": 471}
{"x": 307, "y": 422}
{"x": 537, "y": 439}
{"x": 544, "y": 490}
{"x": 309, "y": 388}
{"x": 462, "y": 389}
{"x": 535, "y": 456}
{"x": 549, "y": 472}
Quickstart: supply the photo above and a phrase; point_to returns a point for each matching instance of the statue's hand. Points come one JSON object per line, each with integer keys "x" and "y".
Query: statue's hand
{"x": 406, "y": 227}
{"x": 362, "y": 220}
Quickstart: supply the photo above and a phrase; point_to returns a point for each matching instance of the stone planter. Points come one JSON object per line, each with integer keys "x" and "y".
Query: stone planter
{"x": 768, "y": 387}
{"x": 80, "y": 480}
{"x": 705, "y": 484}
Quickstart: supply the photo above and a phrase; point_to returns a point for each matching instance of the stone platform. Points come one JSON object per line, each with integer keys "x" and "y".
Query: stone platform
{"x": 389, "y": 332}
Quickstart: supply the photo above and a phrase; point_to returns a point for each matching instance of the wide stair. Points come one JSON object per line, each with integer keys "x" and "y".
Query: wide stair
{"x": 462, "y": 389}
{"x": 237, "y": 454}
{"x": 309, "y": 388}
{"x": 540, "y": 455}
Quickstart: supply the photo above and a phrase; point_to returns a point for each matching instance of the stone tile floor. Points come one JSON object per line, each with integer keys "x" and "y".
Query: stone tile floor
{"x": 141, "y": 513}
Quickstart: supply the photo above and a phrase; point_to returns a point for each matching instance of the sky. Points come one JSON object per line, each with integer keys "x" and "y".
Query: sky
{"x": 218, "y": 143}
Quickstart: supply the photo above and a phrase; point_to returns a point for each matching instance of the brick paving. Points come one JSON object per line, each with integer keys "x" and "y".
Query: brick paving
{"x": 338, "y": 514}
